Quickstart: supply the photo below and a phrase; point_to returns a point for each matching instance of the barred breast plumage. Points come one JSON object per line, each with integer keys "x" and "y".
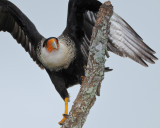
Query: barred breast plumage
{"x": 58, "y": 59}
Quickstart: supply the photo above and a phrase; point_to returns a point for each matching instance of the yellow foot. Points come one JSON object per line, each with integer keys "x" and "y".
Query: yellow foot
{"x": 65, "y": 116}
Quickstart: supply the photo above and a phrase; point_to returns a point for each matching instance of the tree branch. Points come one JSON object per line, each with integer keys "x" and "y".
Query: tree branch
{"x": 94, "y": 73}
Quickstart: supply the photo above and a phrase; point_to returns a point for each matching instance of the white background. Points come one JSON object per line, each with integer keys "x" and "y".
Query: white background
{"x": 130, "y": 95}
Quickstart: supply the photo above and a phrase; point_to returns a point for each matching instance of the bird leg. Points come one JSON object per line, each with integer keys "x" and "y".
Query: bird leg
{"x": 65, "y": 115}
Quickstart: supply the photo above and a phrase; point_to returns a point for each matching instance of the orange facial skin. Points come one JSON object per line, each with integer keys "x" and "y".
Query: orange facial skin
{"x": 49, "y": 45}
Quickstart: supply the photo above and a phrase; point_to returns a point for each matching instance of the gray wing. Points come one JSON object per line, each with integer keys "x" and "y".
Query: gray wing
{"x": 123, "y": 40}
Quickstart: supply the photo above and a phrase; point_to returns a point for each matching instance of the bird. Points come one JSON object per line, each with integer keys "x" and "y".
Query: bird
{"x": 65, "y": 57}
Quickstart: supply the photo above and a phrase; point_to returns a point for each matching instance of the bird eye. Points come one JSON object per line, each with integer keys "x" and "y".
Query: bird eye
{"x": 45, "y": 43}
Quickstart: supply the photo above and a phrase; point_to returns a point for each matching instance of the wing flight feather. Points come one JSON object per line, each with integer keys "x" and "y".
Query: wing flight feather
{"x": 20, "y": 27}
{"x": 123, "y": 40}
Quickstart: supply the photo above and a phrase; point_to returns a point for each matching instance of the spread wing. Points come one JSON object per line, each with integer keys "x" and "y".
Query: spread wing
{"x": 76, "y": 26}
{"x": 20, "y": 27}
{"x": 123, "y": 40}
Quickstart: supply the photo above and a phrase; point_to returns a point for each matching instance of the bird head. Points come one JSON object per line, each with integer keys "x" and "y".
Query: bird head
{"x": 51, "y": 44}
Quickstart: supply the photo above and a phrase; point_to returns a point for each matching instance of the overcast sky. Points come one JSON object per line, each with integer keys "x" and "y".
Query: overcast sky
{"x": 130, "y": 95}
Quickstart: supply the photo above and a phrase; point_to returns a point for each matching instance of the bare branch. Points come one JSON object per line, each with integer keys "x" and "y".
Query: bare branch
{"x": 94, "y": 73}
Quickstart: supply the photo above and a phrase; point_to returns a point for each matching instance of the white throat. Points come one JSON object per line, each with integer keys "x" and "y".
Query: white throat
{"x": 58, "y": 59}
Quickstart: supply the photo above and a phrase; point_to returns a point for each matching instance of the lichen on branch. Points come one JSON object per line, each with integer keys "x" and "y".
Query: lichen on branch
{"x": 94, "y": 73}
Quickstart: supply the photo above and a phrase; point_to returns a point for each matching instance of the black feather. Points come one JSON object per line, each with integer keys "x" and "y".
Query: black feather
{"x": 19, "y": 26}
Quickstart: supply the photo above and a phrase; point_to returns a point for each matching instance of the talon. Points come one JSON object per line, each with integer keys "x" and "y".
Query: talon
{"x": 107, "y": 69}
{"x": 82, "y": 78}
{"x": 65, "y": 115}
